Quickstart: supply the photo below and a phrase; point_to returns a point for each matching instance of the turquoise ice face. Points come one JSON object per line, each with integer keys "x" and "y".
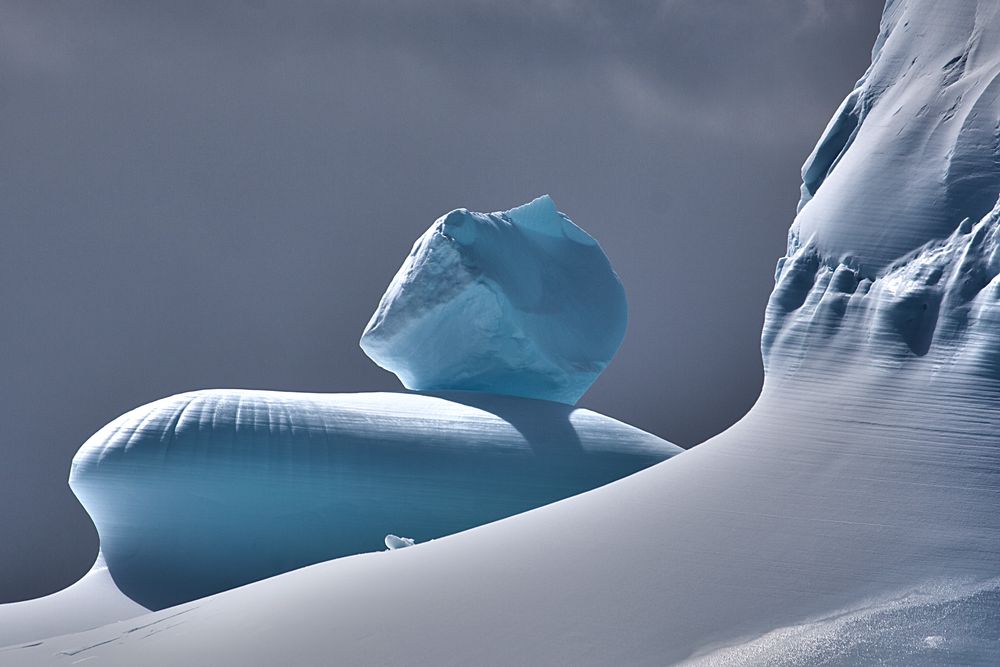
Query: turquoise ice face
{"x": 521, "y": 302}
{"x": 205, "y": 491}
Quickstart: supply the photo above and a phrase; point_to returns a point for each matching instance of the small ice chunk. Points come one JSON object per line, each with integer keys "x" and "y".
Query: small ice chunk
{"x": 520, "y": 302}
{"x": 393, "y": 542}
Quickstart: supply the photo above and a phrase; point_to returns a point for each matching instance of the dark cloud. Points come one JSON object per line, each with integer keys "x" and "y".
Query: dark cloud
{"x": 216, "y": 194}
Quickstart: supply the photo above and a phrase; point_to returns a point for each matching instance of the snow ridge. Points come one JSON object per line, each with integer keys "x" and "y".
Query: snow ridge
{"x": 520, "y": 302}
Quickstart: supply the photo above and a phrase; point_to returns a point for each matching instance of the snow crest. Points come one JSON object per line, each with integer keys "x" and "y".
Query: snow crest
{"x": 941, "y": 302}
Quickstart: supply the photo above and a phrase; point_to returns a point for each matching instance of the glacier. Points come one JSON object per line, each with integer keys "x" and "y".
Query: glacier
{"x": 520, "y": 302}
{"x": 852, "y": 517}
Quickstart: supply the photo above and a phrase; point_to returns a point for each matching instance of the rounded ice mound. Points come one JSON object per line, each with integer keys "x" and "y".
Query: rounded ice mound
{"x": 520, "y": 302}
{"x": 209, "y": 490}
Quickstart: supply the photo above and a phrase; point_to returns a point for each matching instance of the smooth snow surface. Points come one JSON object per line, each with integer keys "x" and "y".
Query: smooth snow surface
{"x": 961, "y": 618}
{"x": 520, "y": 302}
{"x": 851, "y": 518}
{"x": 91, "y": 602}
{"x": 209, "y": 490}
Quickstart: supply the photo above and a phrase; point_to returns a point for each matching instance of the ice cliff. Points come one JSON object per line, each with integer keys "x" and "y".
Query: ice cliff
{"x": 520, "y": 302}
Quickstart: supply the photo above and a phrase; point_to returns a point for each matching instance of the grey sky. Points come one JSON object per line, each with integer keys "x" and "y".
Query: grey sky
{"x": 215, "y": 195}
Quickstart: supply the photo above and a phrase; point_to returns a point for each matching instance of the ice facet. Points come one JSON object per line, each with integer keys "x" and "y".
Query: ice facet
{"x": 521, "y": 302}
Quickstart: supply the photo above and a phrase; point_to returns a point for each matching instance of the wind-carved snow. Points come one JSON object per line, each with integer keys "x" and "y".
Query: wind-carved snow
{"x": 852, "y": 516}
{"x": 520, "y": 302}
{"x": 941, "y": 301}
{"x": 393, "y": 542}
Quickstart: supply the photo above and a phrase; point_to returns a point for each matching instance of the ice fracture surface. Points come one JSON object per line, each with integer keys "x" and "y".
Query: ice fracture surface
{"x": 521, "y": 302}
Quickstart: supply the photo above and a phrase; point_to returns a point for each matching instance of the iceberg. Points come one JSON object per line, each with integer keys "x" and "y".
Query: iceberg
{"x": 852, "y": 517}
{"x": 209, "y": 490}
{"x": 393, "y": 542}
{"x": 521, "y": 302}
{"x": 912, "y": 150}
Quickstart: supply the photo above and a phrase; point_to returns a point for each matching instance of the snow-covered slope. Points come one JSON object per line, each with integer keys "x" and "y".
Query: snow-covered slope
{"x": 912, "y": 151}
{"x": 92, "y": 601}
{"x": 808, "y": 510}
{"x": 852, "y": 517}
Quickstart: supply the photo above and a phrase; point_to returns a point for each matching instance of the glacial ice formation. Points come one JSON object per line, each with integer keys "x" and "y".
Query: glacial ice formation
{"x": 209, "y": 490}
{"x": 206, "y": 491}
{"x": 948, "y": 623}
{"x": 852, "y": 517}
{"x": 521, "y": 302}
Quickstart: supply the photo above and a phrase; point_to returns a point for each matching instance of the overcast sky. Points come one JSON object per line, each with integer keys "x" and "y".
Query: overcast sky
{"x": 216, "y": 194}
